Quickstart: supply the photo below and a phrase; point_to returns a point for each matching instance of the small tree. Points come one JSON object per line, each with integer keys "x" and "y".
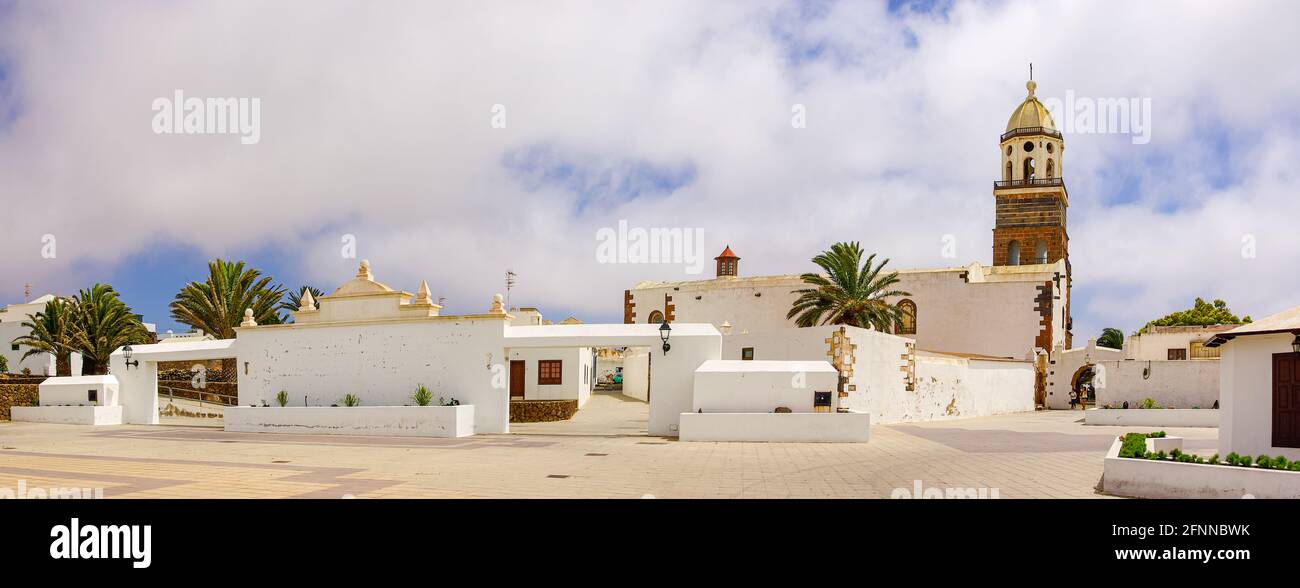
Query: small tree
{"x": 1201, "y": 313}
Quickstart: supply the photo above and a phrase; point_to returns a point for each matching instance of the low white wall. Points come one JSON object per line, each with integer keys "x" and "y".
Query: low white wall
{"x": 946, "y": 386}
{"x": 1246, "y": 393}
{"x": 68, "y": 415}
{"x": 386, "y": 421}
{"x": 1192, "y": 383}
{"x": 1153, "y": 417}
{"x": 76, "y": 390}
{"x": 953, "y": 387}
{"x": 1144, "y": 478}
{"x": 762, "y": 386}
{"x": 808, "y": 427}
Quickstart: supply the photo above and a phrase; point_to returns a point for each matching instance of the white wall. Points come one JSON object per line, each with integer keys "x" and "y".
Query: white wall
{"x": 575, "y": 382}
{"x": 990, "y": 311}
{"x": 1172, "y": 384}
{"x": 636, "y": 371}
{"x": 382, "y": 362}
{"x": 946, "y": 386}
{"x": 1246, "y": 395}
{"x": 75, "y": 391}
{"x": 762, "y": 386}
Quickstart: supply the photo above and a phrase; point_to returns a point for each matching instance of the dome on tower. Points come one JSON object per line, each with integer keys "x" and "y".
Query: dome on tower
{"x": 1031, "y": 113}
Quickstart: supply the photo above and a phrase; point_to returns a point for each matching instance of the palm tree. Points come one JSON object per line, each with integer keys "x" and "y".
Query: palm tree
{"x": 852, "y": 292}
{"x": 293, "y": 299}
{"x": 217, "y": 305}
{"x": 103, "y": 324}
{"x": 51, "y": 331}
{"x": 1112, "y": 338}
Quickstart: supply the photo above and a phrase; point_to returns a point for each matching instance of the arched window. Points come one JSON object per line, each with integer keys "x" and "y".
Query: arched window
{"x": 656, "y": 317}
{"x": 1040, "y": 252}
{"x": 1029, "y": 168}
{"x": 1013, "y": 253}
{"x": 1006, "y": 177}
{"x": 1051, "y": 169}
{"x": 907, "y": 317}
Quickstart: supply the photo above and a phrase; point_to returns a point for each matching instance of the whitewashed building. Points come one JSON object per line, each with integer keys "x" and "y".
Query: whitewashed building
{"x": 1018, "y": 304}
{"x": 11, "y": 327}
{"x": 1259, "y": 386}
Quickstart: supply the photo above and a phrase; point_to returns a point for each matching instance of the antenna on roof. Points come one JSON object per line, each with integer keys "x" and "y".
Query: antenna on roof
{"x": 1031, "y": 71}
{"x": 510, "y": 283}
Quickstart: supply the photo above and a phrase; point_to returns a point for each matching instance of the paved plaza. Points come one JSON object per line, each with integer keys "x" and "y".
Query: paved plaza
{"x": 603, "y": 452}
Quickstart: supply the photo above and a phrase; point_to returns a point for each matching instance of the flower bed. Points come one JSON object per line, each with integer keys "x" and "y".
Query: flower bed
{"x": 1133, "y": 470}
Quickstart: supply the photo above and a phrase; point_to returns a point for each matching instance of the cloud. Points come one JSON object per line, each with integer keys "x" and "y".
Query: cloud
{"x": 377, "y": 122}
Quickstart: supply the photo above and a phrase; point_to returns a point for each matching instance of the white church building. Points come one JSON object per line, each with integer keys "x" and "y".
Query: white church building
{"x": 1016, "y": 308}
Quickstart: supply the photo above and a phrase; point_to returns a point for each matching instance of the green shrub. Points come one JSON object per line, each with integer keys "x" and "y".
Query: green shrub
{"x": 282, "y": 398}
{"x": 1214, "y": 459}
{"x": 1133, "y": 445}
{"x": 1148, "y": 403}
{"x": 1175, "y": 453}
{"x": 4, "y": 365}
{"x": 351, "y": 400}
{"x": 1264, "y": 462}
{"x": 1157, "y": 435}
{"x": 422, "y": 396}
{"x": 1281, "y": 463}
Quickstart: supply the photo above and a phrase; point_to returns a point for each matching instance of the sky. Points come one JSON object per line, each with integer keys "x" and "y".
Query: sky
{"x": 452, "y": 142}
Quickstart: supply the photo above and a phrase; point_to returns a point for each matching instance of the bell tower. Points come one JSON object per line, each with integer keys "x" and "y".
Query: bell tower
{"x": 1031, "y": 201}
{"x": 1031, "y": 196}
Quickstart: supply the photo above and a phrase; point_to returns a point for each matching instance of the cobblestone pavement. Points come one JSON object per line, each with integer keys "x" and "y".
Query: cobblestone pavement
{"x": 602, "y": 452}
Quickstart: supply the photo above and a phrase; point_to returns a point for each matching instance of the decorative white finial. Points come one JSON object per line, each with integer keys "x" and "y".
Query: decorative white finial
{"x": 498, "y": 305}
{"x": 308, "y": 302}
{"x": 364, "y": 271}
{"x": 424, "y": 296}
{"x": 248, "y": 319}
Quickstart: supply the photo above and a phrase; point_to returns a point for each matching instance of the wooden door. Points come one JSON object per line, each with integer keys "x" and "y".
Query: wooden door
{"x": 517, "y": 378}
{"x": 1286, "y": 400}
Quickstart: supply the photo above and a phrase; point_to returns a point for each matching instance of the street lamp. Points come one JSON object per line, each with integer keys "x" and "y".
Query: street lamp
{"x": 664, "y": 332}
{"x": 126, "y": 353}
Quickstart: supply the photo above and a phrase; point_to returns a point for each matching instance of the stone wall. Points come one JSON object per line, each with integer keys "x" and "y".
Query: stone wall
{"x": 541, "y": 411}
{"x": 17, "y": 394}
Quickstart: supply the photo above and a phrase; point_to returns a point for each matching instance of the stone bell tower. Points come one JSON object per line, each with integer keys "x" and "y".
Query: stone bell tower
{"x": 1031, "y": 199}
{"x": 1031, "y": 196}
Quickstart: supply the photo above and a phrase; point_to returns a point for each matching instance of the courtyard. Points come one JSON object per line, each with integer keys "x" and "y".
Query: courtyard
{"x": 603, "y": 452}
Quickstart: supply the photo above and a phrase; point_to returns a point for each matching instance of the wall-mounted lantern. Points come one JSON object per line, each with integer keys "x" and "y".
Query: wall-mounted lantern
{"x": 1295, "y": 343}
{"x": 664, "y": 332}
{"x": 126, "y": 353}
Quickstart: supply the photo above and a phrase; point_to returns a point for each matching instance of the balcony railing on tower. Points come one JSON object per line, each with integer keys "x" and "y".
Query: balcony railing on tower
{"x": 1023, "y": 131}
{"x": 1030, "y": 183}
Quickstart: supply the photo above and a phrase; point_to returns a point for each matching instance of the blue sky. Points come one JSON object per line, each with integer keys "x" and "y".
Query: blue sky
{"x": 681, "y": 118}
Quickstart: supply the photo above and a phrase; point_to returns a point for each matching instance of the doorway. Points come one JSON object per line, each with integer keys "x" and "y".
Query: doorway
{"x": 517, "y": 375}
{"x": 1286, "y": 399}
